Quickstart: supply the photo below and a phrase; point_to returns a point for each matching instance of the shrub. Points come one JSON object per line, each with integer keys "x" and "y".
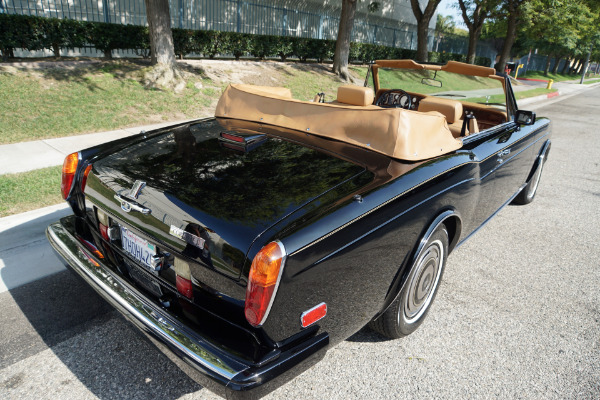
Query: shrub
{"x": 36, "y": 33}
{"x": 263, "y": 46}
{"x": 184, "y": 42}
{"x": 301, "y": 48}
{"x": 239, "y": 44}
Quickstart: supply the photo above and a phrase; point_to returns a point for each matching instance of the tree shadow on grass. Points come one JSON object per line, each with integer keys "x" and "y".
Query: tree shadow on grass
{"x": 120, "y": 70}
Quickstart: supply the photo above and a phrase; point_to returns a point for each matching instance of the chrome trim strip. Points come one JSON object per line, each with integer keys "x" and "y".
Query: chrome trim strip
{"x": 149, "y": 317}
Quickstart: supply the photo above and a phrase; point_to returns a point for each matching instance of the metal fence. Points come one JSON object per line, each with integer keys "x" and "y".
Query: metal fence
{"x": 300, "y": 18}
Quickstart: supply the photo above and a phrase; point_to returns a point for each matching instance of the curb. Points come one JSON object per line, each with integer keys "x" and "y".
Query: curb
{"x": 535, "y": 99}
{"x": 533, "y": 80}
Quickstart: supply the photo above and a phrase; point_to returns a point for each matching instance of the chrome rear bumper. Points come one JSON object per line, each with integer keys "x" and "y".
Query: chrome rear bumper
{"x": 206, "y": 363}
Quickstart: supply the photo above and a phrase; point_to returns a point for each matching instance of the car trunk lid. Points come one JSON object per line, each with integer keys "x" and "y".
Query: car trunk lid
{"x": 206, "y": 197}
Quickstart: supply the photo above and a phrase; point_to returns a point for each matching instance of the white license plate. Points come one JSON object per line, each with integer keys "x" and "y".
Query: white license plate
{"x": 137, "y": 247}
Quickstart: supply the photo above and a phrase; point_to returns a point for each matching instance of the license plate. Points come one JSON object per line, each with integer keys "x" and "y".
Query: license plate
{"x": 137, "y": 247}
{"x": 144, "y": 280}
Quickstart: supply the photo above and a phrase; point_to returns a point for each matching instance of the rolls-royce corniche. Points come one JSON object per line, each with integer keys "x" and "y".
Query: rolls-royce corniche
{"x": 246, "y": 245}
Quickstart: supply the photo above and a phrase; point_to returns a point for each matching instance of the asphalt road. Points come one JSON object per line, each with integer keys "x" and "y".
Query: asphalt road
{"x": 517, "y": 315}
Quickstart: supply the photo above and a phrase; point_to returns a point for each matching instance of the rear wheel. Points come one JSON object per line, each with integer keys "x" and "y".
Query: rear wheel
{"x": 411, "y": 306}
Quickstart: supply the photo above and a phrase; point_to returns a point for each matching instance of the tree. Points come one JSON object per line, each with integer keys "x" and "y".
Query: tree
{"x": 342, "y": 44}
{"x": 423, "y": 17}
{"x": 164, "y": 73}
{"x": 474, "y": 13}
{"x": 512, "y": 12}
{"x": 443, "y": 26}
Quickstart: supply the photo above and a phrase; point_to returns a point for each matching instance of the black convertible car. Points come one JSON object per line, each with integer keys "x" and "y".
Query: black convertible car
{"x": 245, "y": 245}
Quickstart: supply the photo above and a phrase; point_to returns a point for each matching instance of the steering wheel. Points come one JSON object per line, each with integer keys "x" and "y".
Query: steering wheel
{"x": 394, "y": 98}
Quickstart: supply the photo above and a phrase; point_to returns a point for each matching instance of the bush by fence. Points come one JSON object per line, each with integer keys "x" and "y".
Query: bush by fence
{"x": 37, "y": 33}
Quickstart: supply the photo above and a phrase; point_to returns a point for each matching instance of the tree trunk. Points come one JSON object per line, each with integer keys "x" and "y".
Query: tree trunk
{"x": 165, "y": 73}
{"x": 423, "y": 18}
{"x": 56, "y": 50}
{"x": 342, "y": 44}
{"x": 511, "y": 35}
{"x": 556, "y": 64}
{"x": 422, "y": 30}
{"x": 566, "y": 66}
{"x": 472, "y": 52}
{"x": 547, "y": 67}
{"x": 474, "y": 24}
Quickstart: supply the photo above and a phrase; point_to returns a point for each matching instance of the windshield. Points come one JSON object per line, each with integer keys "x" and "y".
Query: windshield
{"x": 449, "y": 85}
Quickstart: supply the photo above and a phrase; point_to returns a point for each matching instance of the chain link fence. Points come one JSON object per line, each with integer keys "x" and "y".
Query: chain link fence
{"x": 300, "y": 18}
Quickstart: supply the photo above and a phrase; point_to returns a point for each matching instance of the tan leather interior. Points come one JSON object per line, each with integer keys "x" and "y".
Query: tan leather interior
{"x": 398, "y": 133}
{"x": 473, "y": 126}
{"x": 451, "y": 109}
{"x": 355, "y": 95}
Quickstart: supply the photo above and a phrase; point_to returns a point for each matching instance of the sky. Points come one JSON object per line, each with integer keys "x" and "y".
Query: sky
{"x": 446, "y": 7}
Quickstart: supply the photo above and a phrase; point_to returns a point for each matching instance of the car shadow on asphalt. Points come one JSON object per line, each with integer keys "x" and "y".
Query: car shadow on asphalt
{"x": 92, "y": 340}
{"x": 62, "y": 313}
{"x": 367, "y": 335}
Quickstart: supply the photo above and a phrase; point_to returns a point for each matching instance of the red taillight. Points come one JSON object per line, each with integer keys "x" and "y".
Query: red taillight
{"x": 262, "y": 282}
{"x": 184, "y": 286}
{"x": 311, "y": 316}
{"x": 104, "y": 232}
{"x": 68, "y": 174}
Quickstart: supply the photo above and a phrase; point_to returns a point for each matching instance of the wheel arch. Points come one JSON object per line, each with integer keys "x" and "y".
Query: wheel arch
{"x": 542, "y": 157}
{"x": 451, "y": 219}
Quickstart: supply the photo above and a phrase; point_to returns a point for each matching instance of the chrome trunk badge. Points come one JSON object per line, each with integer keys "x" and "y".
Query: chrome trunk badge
{"x": 136, "y": 189}
{"x": 127, "y": 199}
{"x": 187, "y": 237}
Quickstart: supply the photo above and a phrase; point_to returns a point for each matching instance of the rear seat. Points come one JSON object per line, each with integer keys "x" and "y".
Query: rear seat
{"x": 452, "y": 110}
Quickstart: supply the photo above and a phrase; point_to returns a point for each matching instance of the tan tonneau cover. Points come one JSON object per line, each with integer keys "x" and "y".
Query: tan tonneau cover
{"x": 402, "y": 134}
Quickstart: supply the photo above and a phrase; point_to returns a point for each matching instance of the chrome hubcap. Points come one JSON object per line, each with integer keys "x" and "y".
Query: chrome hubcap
{"x": 423, "y": 281}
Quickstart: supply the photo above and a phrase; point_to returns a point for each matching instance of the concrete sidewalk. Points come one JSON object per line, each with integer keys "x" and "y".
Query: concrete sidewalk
{"x": 28, "y": 156}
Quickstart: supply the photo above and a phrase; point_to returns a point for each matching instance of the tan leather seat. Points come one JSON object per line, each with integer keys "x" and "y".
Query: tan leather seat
{"x": 451, "y": 109}
{"x": 355, "y": 95}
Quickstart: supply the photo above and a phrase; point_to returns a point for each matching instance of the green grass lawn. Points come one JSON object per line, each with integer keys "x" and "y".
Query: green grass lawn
{"x": 519, "y": 95}
{"x": 29, "y": 190}
{"x": 56, "y": 102}
{"x": 591, "y": 81}
{"x": 410, "y": 80}
{"x": 554, "y": 77}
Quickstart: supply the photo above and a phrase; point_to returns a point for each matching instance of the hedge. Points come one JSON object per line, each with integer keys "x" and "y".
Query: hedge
{"x": 37, "y": 33}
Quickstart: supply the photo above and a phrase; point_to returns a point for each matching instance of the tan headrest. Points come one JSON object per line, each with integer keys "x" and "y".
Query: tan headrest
{"x": 451, "y": 109}
{"x": 355, "y": 95}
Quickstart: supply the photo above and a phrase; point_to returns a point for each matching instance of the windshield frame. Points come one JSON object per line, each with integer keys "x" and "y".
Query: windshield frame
{"x": 450, "y": 66}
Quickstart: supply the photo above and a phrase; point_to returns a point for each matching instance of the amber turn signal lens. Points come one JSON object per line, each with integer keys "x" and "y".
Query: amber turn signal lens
{"x": 68, "y": 174}
{"x": 262, "y": 281}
